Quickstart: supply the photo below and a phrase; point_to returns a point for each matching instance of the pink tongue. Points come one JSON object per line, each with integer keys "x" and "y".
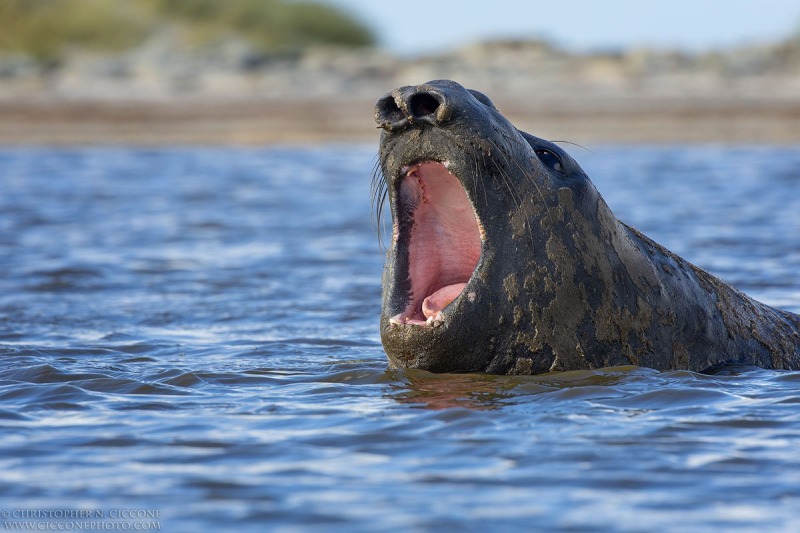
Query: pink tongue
{"x": 437, "y": 301}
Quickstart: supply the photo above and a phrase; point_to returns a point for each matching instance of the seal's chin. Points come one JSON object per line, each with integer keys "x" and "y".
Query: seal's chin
{"x": 443, "y": 236}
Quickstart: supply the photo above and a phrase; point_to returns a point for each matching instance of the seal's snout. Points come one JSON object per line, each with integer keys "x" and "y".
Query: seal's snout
{"x": 409, "y": 105}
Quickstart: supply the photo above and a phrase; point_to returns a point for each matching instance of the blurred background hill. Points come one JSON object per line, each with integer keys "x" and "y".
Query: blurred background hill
{"x": 49, "y": 30}
{"x": 255, "y": 71}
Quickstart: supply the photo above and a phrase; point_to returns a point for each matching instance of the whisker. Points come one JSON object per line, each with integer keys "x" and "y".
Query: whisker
{"x": 515, "y": 195}
{"x": 379, "y": 191}
{"x": 536, "y": 185}
{"x": 573, "y": 144}
{"x": 478, "y": 180}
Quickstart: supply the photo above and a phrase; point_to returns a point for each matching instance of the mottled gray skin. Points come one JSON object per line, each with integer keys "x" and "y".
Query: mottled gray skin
{"x": 561, "y": 283}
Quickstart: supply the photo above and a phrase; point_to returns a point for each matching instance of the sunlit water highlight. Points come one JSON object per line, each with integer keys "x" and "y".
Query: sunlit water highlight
{"x": 195, "y": 331}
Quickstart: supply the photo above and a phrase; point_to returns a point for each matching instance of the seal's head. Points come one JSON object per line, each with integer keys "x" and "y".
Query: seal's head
{"x": 475, "y": 205}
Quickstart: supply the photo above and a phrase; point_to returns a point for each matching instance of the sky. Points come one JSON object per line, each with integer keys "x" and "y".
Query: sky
{"x": 413, "y": 27}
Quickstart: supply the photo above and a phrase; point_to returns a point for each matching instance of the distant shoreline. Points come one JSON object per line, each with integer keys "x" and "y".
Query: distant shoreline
{"x": 302, "y": 121}
{"x": 165, "y": 93}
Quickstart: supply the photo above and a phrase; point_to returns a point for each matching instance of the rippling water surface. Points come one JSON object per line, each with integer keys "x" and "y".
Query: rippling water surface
{"x": 194, "y": 331}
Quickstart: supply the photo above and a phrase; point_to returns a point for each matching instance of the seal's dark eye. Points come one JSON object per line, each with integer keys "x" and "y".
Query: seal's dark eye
{"x": 550, "y": 160}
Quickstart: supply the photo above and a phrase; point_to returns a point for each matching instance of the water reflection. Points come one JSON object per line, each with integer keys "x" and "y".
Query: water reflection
{"x": 444, "y": 391}
{"x": 482, "y": 392}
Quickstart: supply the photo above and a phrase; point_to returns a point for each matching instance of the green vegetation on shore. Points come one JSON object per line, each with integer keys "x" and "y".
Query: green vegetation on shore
{"x": 46, "y": 29}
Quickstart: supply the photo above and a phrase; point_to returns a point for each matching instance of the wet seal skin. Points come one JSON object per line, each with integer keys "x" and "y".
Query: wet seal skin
{"x": 505, "y": 259}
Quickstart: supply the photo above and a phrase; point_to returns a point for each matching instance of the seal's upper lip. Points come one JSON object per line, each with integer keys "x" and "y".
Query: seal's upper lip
{"x": 443, "y": 236}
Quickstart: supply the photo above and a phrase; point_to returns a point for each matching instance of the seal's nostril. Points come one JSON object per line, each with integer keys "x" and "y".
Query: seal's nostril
{"x": 387, "y": 113}
{"x": 423, "y": 104}
{"x": 389, "y": 108}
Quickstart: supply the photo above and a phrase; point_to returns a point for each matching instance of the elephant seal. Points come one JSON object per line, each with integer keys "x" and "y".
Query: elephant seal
{"x": 505, "y": 259}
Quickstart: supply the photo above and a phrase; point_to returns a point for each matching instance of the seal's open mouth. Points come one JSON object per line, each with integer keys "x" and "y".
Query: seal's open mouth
{"x": 443, "y": 236}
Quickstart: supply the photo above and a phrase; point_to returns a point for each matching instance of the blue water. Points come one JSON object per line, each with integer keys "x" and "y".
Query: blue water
{"x": 192, "y": 333}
